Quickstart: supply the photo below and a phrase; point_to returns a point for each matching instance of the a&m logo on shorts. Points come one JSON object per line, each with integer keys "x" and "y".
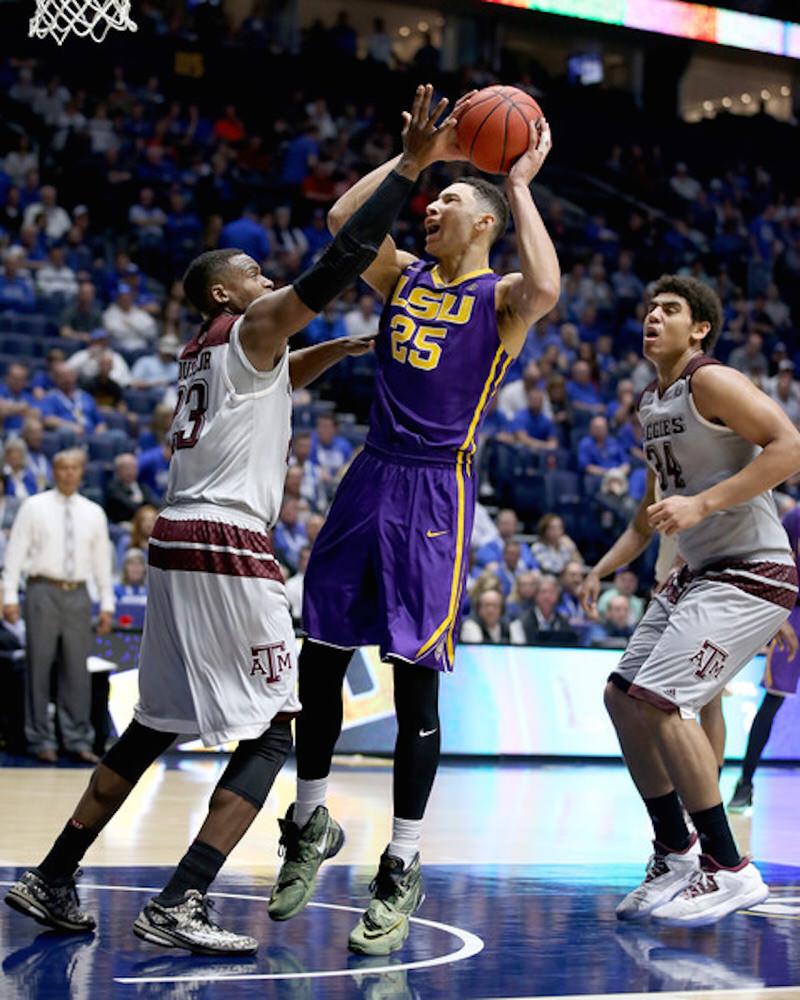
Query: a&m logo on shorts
{"x": 708, "y": 660}
{"x": 270, "y": 661}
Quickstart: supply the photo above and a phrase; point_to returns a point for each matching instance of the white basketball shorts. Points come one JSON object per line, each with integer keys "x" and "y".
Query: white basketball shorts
{"x": 218, "y": 655}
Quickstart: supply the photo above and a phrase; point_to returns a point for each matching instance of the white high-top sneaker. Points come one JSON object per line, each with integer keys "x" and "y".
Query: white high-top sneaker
{"x": 668, "y": 872}
{"x": 713, "y": 893}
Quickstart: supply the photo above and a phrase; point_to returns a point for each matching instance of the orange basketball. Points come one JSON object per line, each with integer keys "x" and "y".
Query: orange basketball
{"x": 493, "y": 128}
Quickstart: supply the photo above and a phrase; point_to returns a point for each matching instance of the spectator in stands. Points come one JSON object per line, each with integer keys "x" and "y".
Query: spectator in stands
{"x": 616, "y": 626}
{"x": 11, "y": 212}
{"x": 330, "y": 451}
{"x": 55, "y": 277}
{"x": 686, "y": 187}
{"x": 18, "y": 479}
{"x": 56, "y": 219}
{"x": 248, "y": 234}
{"x": 363, "y": 320}
{"x": 16, "y": 288}
{"x": 559, "y": 406}
{"x": 785, "y": 391}
{"x": 508, "y": 528}
{"x": 523, "y": 592}
{"x": 294, "y": 586}
{"x": 147, "y": 220}
{"x": 43, "y": 380}
{"x": 156, "y": 371}
{"x": 513, "y": 397}
{"x": 19, "y": 161}
{"x": 8, "y": 512}
{"x": 583, "y": 396}
{"x": 86, "y": 362}
{"x": 486, "y": 624}
{"x": 124, "y": 494}
{"x": 130, "y": 327}
{"x": 68, "y": 407}
{"x": 229, "y": 127}
{"x": 142, "y": 524}
{"x": 312, "y": 487}
{"x": 599, "y": 451}
{"x": 543, "y": 620}
{"x": 16, "y": 399}
{"x": 510, "y": 566}
{"x": 184, "y": 231}
{"x": 154, "y": 467}
{"x": 131, "y": 591}
{"x": 553, "y": 548}
{"x": 80, "y": 318}
{"x": 38, "y": 462}
{"x": 628, "y": 286}
{"x": 104, "y": 390}
{"x": 289, "y": 535}
{"x": 750, "y": 358}
{"x": 623, "y": 406}
{"x": 625, "y": 585}
{"x": 531, "y": 428}
{"x": 613, "y": 505}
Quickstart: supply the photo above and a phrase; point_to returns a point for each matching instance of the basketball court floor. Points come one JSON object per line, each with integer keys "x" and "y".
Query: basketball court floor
{"x": 524, "y": 864}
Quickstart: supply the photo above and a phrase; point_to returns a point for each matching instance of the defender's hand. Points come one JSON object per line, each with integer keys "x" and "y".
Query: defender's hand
{"x": 424, "y": 141}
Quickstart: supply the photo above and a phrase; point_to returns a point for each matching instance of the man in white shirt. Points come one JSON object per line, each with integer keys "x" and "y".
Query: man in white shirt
{"x": 131, "y": 327}
{"x": 86, "y": 362}
{"x": 57, "y": 220}
{"x": 363, "y": 320}
{"x": 55, "y": 277}
{"x": 61, "y": 539}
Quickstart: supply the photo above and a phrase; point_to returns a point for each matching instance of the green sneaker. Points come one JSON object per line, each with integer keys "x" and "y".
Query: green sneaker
{"x": 396, "y": 894}
{"x": 304, "y": 851}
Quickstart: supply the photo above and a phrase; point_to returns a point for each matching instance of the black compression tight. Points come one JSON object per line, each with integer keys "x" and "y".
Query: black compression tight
{"x": 416, "y": 696}
{"x": 759, "y": 733}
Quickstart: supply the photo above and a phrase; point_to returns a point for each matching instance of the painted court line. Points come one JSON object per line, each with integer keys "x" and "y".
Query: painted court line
{"x": 471, "y": 944}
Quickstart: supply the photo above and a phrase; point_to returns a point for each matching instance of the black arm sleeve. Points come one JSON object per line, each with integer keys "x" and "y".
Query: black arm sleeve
{"x": 355, "y": 246}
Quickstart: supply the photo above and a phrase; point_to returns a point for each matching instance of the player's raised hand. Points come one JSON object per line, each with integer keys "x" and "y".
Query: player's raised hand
{"x": 424, "y": 141}
{"x": 530, "y": 163}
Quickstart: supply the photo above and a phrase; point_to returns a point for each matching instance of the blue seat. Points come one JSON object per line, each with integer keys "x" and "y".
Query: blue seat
{"x": 141, "y": 401}
{"x": 51, "y": 443}
{"x": 106, "y": 445}
{"x": 96, "y": 475}
{"x": 18, "y": 344}
{"x": 115, "y": 421}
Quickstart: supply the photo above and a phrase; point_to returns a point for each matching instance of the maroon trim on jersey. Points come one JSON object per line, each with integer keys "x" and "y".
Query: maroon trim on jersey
{"x": 644, "y": 694}
{"x": 168, "y": 549}
{"x": 698, "y": 361}
{"x": 212, "y": 333}
{"x": 651, "y": 387}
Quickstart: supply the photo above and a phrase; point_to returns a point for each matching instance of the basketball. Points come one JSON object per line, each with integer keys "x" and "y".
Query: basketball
{"x": 493, "y": 129}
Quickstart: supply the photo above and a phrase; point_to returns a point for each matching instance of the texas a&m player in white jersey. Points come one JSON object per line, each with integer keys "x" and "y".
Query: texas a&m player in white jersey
{"x": 717, "y": 446}
{"x": 217, "y": 656}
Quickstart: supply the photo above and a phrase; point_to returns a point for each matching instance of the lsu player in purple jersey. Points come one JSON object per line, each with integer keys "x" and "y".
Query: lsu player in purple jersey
{"x": 389, "y": 566}
{"x": 781, "y": 680}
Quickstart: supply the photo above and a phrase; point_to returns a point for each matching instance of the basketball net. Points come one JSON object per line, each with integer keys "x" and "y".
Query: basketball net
{"x": 86, "y": 18}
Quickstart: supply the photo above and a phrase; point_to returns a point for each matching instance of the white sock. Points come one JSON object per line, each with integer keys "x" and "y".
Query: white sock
{"x": 406, "y": 834}
{"x": 310, "y": 794}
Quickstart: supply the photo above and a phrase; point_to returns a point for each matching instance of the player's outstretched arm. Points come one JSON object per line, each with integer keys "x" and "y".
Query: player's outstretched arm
{"x": 440, "y": 143}
{"x": 525, "y": 297}
{"x": 725, "y": 396}
{"x": 274, "y": 317}
{"x": 630, "y": 544}
{"x": 309, "y": 363}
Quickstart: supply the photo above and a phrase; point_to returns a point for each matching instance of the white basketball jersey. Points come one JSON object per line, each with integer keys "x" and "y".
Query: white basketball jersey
{"x": 231, "y": 428}
{"x": 689, "y": 454}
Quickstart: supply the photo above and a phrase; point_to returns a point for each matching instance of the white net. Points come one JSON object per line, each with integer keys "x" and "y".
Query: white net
{"x": 85, "y": 18}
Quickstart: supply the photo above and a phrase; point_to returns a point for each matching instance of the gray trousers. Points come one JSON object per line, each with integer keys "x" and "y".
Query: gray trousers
{"x": 52, "y": 614}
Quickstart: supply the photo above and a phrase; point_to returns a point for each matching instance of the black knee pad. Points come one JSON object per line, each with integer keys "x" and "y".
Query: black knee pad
{"x": 416, "y": 696}
{"x": 255, "y": 764}
{"x": 136, "y": 750}
{"x": 619, "y": 682}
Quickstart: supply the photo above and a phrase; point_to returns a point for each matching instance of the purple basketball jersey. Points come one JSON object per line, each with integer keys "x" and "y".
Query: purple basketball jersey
{"x": 782, "y": 671}
{"x": 440, "y": 361}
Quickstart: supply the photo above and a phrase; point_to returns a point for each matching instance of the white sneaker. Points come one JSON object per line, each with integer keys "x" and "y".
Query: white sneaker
{"x": 668, "y": 872}
{"x": 713, "y": 893}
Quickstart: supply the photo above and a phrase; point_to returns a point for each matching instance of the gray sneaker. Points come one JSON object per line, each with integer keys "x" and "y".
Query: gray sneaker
{"x": 304, "y": 851}
{"x": 742, "y": 796}
{"x": 54, "y": 904}
{"x": 188, "y": 925}
{"x": 396, "y": 894}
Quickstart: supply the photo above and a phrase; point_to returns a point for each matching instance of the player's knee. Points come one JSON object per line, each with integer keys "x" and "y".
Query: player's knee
{"x": 255, "y": 764}
{"x": 106, "y": 787}
{"x": 136, "y": 750}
